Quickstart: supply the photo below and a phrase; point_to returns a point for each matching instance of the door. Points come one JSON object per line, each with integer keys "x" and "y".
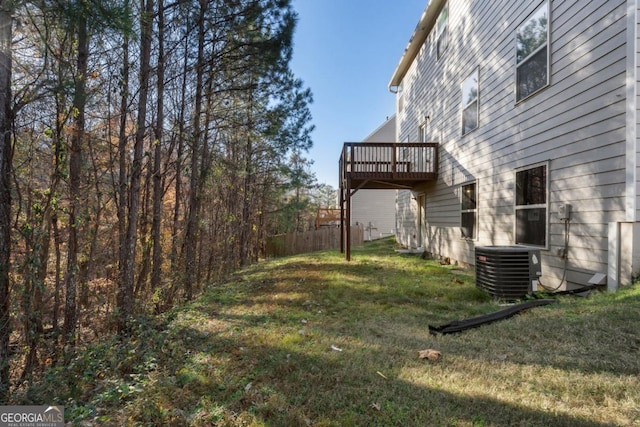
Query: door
{"x": 422, "y": 220}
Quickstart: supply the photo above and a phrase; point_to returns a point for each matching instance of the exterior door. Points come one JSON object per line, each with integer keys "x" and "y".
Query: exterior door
{"x": 422, "y": 220}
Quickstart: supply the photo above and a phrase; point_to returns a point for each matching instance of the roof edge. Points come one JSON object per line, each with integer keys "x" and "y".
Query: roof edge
{"x": 380, "y": 127}
{"x": 420, "y": 34}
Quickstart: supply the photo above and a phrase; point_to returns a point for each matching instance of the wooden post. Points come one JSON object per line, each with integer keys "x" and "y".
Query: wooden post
{"x": 394, "y": 159}
{"x": 341, "y": 218}
{"x": 348, "y": 225}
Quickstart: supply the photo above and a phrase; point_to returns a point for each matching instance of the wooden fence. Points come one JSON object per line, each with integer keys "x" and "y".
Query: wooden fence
{"x": 310, "y": 241}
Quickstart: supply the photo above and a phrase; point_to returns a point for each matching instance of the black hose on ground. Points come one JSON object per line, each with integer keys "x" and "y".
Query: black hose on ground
{"x": 474, "y": 322}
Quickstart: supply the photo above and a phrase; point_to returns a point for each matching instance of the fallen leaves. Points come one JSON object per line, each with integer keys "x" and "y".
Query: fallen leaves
{"x": 430, "y": 354}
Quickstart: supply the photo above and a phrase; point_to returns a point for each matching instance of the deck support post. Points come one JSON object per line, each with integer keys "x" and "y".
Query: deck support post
{"x": 348, "y": 222}
{"x": 341, "y": 219}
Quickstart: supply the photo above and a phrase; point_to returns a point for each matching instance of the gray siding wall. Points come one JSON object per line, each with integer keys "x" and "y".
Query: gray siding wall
{"x": 406, "y": 219}
{"x": 576, "y": 126}
{"x": 375, "y": 209}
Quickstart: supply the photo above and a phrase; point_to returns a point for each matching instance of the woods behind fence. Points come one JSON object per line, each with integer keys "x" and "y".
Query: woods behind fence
{"x": 310, "y": 241}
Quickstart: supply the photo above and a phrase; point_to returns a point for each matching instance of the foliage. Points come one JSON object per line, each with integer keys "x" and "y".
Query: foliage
{"x": 151, "y": 143}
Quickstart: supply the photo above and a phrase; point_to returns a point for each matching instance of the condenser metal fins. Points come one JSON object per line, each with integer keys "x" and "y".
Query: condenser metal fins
{"x": 507, "y": 272}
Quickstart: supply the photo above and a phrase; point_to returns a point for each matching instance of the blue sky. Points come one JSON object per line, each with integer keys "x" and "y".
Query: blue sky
{"x": 346, "y": 52}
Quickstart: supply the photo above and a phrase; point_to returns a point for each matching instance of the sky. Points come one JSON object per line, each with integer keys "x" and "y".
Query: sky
{"x": 346, "y": 51}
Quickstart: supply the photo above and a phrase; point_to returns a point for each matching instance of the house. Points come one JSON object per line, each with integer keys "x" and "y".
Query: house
{"x": 534, "y": 107}
{"x": 375, "y": 209}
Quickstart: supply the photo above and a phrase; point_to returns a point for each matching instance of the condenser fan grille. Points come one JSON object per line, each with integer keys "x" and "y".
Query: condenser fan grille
{"x": 507, "y": 272}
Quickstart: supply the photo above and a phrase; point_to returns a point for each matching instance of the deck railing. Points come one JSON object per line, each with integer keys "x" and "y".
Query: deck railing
{"x": 389, "y": 160}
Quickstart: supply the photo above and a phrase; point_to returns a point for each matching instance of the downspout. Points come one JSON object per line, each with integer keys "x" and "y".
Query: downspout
{"x": 631, "y": 200}
{"x": 633, "y": 152}
{"x": 629, "y": 229}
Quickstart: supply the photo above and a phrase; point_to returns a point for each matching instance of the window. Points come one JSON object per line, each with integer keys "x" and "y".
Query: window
{"x": 531, "y": 206}
{"x": 442, "y": 39}
{"x": 532, "y": 54}
{"x": 470, "y": 103}
{"x": 468, "y": 211}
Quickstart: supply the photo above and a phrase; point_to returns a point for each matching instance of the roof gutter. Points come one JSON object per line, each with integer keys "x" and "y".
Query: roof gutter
{"x": 424, "y": 27}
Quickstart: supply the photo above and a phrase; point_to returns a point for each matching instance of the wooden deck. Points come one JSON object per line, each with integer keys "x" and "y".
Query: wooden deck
{"x": 382, "y": 165}
{"x": 392, "y": 165}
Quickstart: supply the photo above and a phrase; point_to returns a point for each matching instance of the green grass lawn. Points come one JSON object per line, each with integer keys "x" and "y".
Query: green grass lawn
{"x": 314, "y": 340}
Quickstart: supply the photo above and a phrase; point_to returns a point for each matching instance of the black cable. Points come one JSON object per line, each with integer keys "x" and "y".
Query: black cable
{"x": 567, "y": 229}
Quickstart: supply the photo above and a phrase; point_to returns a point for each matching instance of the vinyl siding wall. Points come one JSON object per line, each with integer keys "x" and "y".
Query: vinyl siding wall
{"x": 576, "y": 126}
{"x": 375, "y": 209}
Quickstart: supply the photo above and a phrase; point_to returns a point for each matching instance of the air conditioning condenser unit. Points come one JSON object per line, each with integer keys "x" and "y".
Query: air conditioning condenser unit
{"x": 507, "y": 272}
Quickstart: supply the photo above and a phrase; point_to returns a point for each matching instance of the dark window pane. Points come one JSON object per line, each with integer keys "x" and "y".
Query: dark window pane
{"x": 531, "y": 186}
{"x": 470, "y": 118}
{"x": 531, "y": 226}
{"x": 468, "y": 197}
{"x": 531, "y": 75}
{"x": 468, "y": 224}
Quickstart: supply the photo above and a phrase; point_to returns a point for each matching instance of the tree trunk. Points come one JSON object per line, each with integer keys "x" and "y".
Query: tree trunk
{"x": 191, "y": 235}
{"x": 57, "y": 241}
{"x": 156, "y": 272}
{"x": 122, "y": 162}
{"x": 175, "y": 256}
{"x": 75, "y": 175}
{"x": 87, "y": 271}
{"x": 127, "y": 270}
{"x": 6, "y": 11}
{"x": 143, "y": 232}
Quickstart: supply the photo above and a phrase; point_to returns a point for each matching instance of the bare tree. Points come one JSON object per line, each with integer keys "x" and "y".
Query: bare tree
{"x": 127, "y": 268}
{"x": 191, "y": 234}
{"x": 75, "y": 175}
{"x": 6, "y": 20}
{"x": 156, "y": 273}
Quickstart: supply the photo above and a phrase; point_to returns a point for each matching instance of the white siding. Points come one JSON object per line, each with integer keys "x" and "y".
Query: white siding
{"x": 576, "y": 125}
{"x": 406, "y": 219}
{"x": 375, "y": 209}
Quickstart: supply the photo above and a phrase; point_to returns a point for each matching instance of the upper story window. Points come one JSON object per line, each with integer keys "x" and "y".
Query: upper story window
{"x": 442, "y": 36}
{"x": 532, "y": 53}
{"x": 470, "y": 103}
{"x": 468, "y": 209}
{"x": 531, "y": 206}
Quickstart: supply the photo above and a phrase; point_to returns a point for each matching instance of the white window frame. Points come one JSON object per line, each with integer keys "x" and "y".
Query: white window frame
{"x": 544, "y": 206}
{"x": 465, "y": 105}
{"x": 474, "y": 210}
{"x": 545, "y": 5}
{"x": 442, "y": 30}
